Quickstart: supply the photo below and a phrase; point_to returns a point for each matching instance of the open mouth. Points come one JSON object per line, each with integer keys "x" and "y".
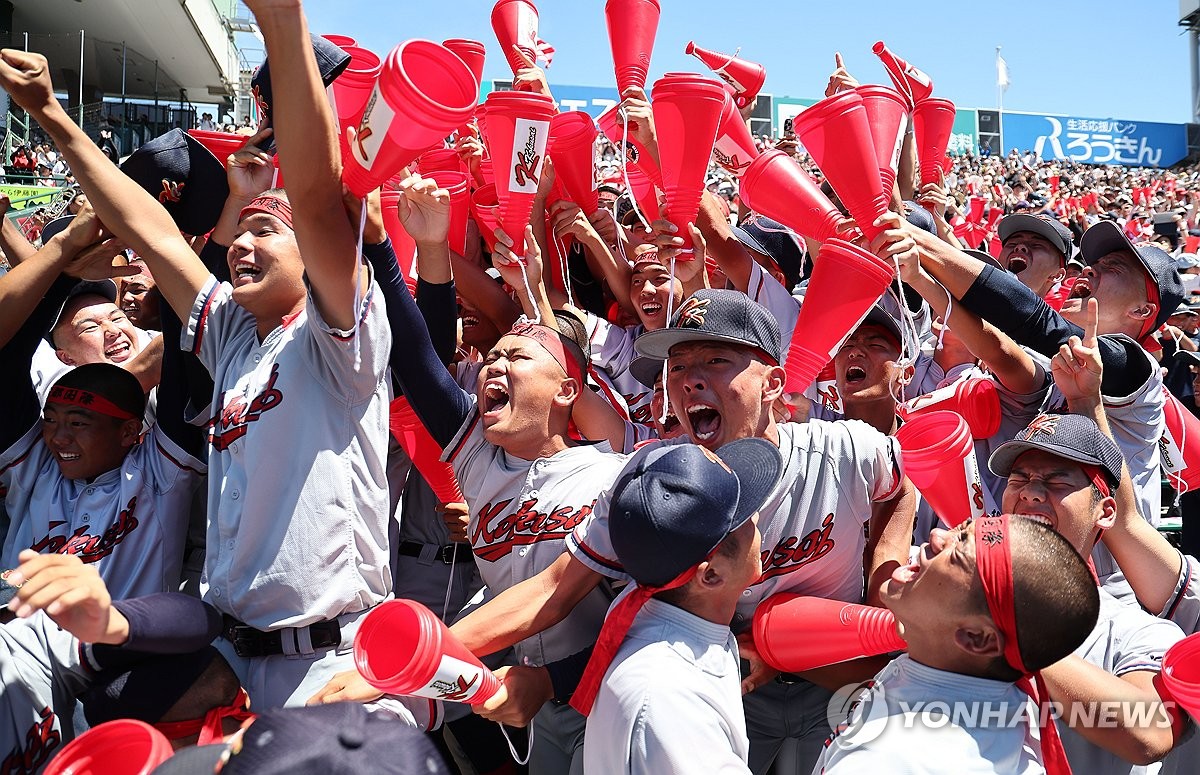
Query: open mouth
{"x": 495, "y": 397}
{"x": 651, "y": 308}
{"x": 1016, "y": 265}
{"x": 244, "y": 270}
{"x": 905, "y": 574}
{"x": 1081, "y": 289}
{"x": 118, "y": 351}
{"x": 671, "y": 424}
{"x": 705, "y": 421}
{"x": 469, "y": 321}
{"x": 1041, "y": 520}
{"x": 68, "y": 457}
{"x": 855, "y": 375}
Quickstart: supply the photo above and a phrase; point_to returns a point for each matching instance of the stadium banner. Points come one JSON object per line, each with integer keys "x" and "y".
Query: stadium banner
{"x": 964, "y": 135}
{"x": 1095, "y": 140}
{"x": 788, "y": 107}
{"x": 29, "y": 196}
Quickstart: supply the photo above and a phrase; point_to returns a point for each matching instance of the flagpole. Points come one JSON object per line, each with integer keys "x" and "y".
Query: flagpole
{"x": 999, "y": 89}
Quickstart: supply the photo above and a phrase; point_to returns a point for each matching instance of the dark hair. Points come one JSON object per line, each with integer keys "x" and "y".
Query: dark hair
{"x": 112, "y": 382}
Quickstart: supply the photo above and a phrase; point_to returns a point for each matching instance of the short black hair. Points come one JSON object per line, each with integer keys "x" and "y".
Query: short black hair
{"x": 110, "y": 381}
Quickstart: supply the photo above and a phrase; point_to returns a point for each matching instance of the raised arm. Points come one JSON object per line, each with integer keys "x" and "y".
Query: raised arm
{"x": 16, "y": 248}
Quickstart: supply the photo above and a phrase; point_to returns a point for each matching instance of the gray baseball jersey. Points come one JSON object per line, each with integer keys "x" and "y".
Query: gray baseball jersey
{"x": 297, "y": 492}
{"x": 1184, "y": 606}
{"x": 130, "y": 522}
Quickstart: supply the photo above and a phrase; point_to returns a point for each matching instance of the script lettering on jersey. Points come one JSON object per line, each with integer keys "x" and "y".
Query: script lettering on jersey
{"x": 90, "y": 548}
{"x": 236, "y": 416}
{"x": 642, "y": 414}
{"x": 40, "y": 742}
{"x": 792, "y": 552}
{"x": 495, "y": 536}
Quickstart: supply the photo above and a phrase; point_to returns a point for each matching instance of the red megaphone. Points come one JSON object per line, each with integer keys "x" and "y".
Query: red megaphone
{"x": 632, "y": 25}
{"x": 933, "y": 120}
{"x": 837, "y": 135}
{"x": 402, "y": 244}
{"x": 1180, "y": 677}
{"x": 794, "y": 633}
{"x": 610, "y": 124}
{"x": 518, "y": 126}
{"x": 341, "y": 41}
{"x": 1181, "y": 451}
{"x": 472, "y": 52}
{"x": 121, "y": 747}
{"x": 352, "y": 89}
{"x": 424, "y": 91}
{"x": 687, "y": 111}
{"x": 845, "y": 284}
{"x": 439, "y": 160}
{"x": 775, "y": 186}
{"x": 644, "y": 193}
{"x": 401, "y": 647}
{"x": 411, "y": 434}
{"x": 456, "y": 184}
{"x": 515, "y": 23}
{"x": 485, "y": 210}
{"x": 734, "y": 148}
{"x": 911, "y": 82}
{"x": 975, "y": 399}
{"x": 887, "y": 113}
{"x": 745, "y": 77}
{"x": 572, "y": 146}
{"x": 939, "y": 459}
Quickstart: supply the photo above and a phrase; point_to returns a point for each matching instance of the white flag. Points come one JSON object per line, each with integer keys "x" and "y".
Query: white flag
{"x": 1001, "y": 72}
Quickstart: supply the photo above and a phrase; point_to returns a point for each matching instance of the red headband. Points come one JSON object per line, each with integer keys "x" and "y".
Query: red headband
{"x": 86, "y": 399}
{"x": 552, "y": 342}
{"x": 210, "y": 728}
{"x": 271, "y": 204}
{"x": 993, "y": 558}
{"x": 1098, "y": 478}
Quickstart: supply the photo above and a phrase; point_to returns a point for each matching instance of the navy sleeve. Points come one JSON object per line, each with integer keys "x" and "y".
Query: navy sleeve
{"x": 436, "y": 398}
{"x": 1002, "y": 300}
{"x": 438, "y": 303}
{"x": 180, "y": 382}
{"x": 165, "y": 623}
{"x": 20, "y": 408}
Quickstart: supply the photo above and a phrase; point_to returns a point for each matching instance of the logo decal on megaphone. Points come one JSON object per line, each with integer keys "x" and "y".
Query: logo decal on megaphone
{"x": 526, "y": 165}
{"x": 367, "y": 141}
{"x": 456, "y": 690}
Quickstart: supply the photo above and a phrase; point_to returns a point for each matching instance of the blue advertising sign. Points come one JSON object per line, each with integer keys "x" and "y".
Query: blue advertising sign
{"x": 1095, "y": 140}
{"x": 592, "y": 100}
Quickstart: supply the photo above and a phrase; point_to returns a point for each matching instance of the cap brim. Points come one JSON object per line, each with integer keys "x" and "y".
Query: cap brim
{"x": 758, "y": 465}
{"x": 985, "y": 257}
{"x": 646, "y": 370}
{"x": 1011, "y": 224}
{"x": 56, "y": 227}
{"x": 748, "y": 240}
{"x": 1001, "y": 461}
{"x": 1106, "y": 237}
{"x": 658, "y": 344}
{"x": 197, "y": 760}
{"x": 878, "y": 316}
{"x": 1189, "y": 357}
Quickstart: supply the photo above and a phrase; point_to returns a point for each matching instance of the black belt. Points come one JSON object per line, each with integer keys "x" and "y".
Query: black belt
{"x": 249, "y": 642}
{"x": 445, "y": 553}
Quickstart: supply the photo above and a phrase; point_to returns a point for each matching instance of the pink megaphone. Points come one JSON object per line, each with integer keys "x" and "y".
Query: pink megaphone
{"x": 1180, "y": 447}
{"x": 845, "y": 284}
{"x": 411, "y": 434}
{"x": 572, "y": 146}
{"x": 911, "y": 82}
{"x": 837, "y": 135}
{"x": 518, "y": 126}
{"x": 775, "y": 186}
{"x": 644, "y": 193}
{"x": 975, "y": 209}
{"x": 341, "y": 41}
{"x": 610, "y": 124}
{"x": 975, "y": 399}
{"x": 687, "y": 112}
{"x": 887, "y": 114}
{"x": 352, "y": 89}
{"x": 632, "y": 25}
{"x": 515, "y": 23}
{"x": 746, "y": 78}
{"x": 939, "y": 459}
{"x": 439, "y": 160}
{"x": 734, "y": 148}
{"x": 794, "y": 633}
{"x": 402, "y": 244}
{"x": 1180, "y": 677}
{"x": 220, "y": 144}
{"x": 471, "y": 52}
{"x": 401, "y": 647}
{"x": 933, "y": 120}
{"x": 460, "y": 198}
{"x": 424, "y": 91}
{"x": 121, "y": 747}
{"x": 485, "y": 209}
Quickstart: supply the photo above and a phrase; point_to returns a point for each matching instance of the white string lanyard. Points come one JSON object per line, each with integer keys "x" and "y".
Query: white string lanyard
{"x": 625, "y": 166}
{"x": 670, "y": 304}
{"x": 911, "y": 344}
{"x": 513, "y": 751}
{"x": 358, "y": 263}
{"x": 537, "y": 312}
{"x": 564, "y": 267}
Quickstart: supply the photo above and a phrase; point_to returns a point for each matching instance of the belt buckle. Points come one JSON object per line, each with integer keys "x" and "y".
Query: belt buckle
{"x": 328, "y": 636}
{"x": 446, "y": 554}
{"x": 244, "y": 644}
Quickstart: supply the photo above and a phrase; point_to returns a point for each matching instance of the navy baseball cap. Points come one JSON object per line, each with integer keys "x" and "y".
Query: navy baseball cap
{"x": 1069, "y": 436}
{"x": 1106, "y": 237}
{"x": 56, "y": 227}
{"x": 680, "y": 501}
{"x": 880, "y": 316}
{"x": 918, "y": 216}
{"x": 184, "y": 177}
{"x": 777, "y": 242}
{"x": 646, "y": 370}
{"x": 331, "y": 61}
{"x": 712, "y": 315}
{"x": 1049, "y": 229}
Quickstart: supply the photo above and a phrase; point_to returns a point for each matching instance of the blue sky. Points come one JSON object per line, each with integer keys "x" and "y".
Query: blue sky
{"x": 1096, "y": 59}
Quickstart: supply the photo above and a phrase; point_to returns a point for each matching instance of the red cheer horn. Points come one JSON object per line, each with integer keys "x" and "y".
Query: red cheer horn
{"x": 402, "y": 648}
{"x": 734, "y": 148}
{"x": 352, "y": 89}
{"x": 746, "y": 78}
{"x": 887, "y": 114}
{"x": 837, "y": 135}
{"x": 220, "y": 144}
{"x": 610, "y": 124}
{"x": 994, "y": 216}
{"x": 975, "y": 209}
{"x": 411, "y": 434}
{"x": 424, "y": 91}
{"x": 632, "y": 25}
{"x": 1180, "y": 675}
{"x": 121, "y": 747}
{"x": 518, "y": 126}
{"x": 402, "y": 244}
{"x": 1180, "y": 446}
{"x": 775, "y": 186}
{"x": 911, "y": 82}
{"x": 933, "y": 119}
{"x": 687, "y": 111}
{"x": 471, "y": 52}
{"x": 794, "y": 633}
{"x": 572, "y": 146}
{"x": 939, "y": 459}
{"x": 485, "y": 209}
{"x": 845, "y": 284}
{"x": 456, "y": 184}
{"x": 439, "y": 160}
{"x": 644, "y": 193}
{"x": 341, "y": 41}
{"x": 515, "y": 23}
{"x": 975, "y": 399}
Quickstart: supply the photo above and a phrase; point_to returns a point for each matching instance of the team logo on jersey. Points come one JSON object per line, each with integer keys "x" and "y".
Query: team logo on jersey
{"x": 495, "y": 536}
{"x": 40, "y": 742}
{"x": 171, "y": 191}
{"x": 454, "y": 691}
{"x": 692, "y": 312}
{"x": 642, "y": 414}
{"x": 1045, "y": 423}
{"x": 235, "y": 417}
{"x": 791, "y": 553}
{"x": 90, "y": 548}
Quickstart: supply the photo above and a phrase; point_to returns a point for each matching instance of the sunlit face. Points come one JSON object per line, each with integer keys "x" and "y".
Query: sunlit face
{"x": 719, "y": 391}
{"x": 1056, "y": 491}
{"x": 137, "y": 301}
{"x": 517, "y": 391}
{"x": 94, "y": 330}
{"x": 478, "y": 330}
{"x": 866, "y": 366}
{"x": 84, "y": 443}
{"x": 1034, "y": 260}
{"x": 650, "y": 289}
{"x": 1118, "y": 283}
{"x": 265, "y": 266}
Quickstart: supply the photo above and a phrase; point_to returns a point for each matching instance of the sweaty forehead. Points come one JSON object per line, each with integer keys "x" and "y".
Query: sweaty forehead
{"x": 1039, "y": 461}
